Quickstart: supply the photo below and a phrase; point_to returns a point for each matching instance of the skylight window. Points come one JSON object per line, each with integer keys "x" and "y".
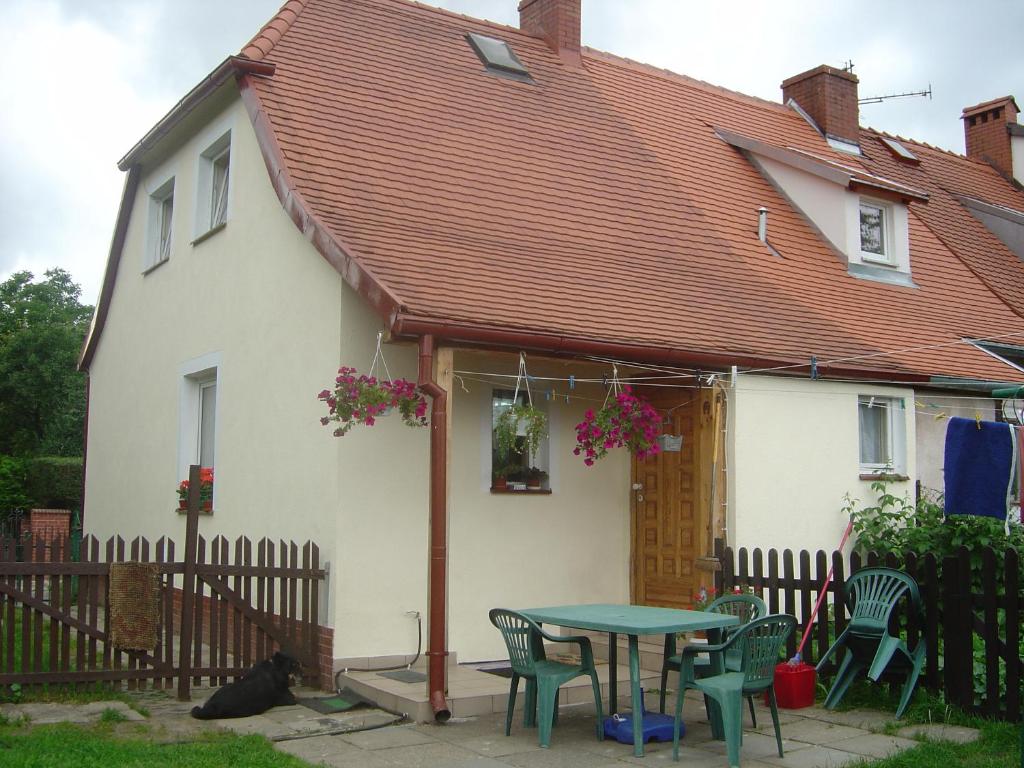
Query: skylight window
{"x": 497, "y": 55}
{"x": 899, "y": 150}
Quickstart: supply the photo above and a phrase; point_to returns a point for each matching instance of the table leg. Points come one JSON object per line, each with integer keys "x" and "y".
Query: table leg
{"x": 613, "y": 673}
{"x": 638, "y": 705}
{"x": 717, "y": 668}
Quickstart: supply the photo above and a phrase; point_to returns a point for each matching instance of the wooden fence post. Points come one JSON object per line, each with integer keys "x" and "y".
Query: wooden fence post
{"x": 188, "y": 584}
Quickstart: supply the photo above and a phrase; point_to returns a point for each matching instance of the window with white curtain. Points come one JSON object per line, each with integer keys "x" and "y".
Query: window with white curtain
{"x": 882, "y": 434}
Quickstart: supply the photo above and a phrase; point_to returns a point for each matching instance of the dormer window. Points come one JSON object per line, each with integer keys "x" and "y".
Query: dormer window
{"x": 875, "y": 228}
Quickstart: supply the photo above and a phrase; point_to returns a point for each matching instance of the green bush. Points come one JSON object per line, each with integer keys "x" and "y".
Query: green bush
{"x": 896, "y": 525}
{"x": 54, "y": 482}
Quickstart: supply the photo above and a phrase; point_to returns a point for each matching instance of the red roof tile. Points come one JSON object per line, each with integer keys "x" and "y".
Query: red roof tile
{"x": 598, "y": 203}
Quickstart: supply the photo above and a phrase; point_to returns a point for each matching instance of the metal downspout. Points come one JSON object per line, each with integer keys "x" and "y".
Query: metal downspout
{"x": 437, "y": 651}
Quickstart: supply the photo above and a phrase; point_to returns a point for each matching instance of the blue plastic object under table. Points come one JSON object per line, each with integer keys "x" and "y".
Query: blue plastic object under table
{"x": 653, "y": 725}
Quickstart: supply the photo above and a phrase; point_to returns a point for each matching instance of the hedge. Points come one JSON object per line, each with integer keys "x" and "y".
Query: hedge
{"x": 48, "y": 482}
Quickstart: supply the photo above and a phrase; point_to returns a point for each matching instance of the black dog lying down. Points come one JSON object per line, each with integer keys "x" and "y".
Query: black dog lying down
{"x": 262, "y": 687}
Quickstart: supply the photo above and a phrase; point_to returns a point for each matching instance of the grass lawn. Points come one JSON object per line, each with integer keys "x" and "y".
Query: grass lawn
{"x": 110, "y": 743}
{"x": 998, "y": 747}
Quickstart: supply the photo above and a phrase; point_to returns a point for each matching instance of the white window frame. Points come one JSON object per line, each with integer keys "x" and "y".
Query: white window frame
{"x": 544, "y": 459}
{"x": 195, "y": 376}
{"x": 160, "y": 238}
{"x": 207, "y": 220}
{"x": 888, "y": 257}
{"x": 896, "y": 435}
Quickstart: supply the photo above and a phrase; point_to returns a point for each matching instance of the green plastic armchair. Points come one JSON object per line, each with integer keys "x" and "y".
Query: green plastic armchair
{"x": 745, "y": 606}
{"x": 525, "y": 642}
{"x": 758, "y": 645}
{"x": 872, "y": 594}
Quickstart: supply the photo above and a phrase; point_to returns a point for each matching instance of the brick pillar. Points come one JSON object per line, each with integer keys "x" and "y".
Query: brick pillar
{"x": 52, "y": 526}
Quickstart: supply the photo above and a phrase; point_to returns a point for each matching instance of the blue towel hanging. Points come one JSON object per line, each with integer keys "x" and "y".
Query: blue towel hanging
{"x": 978, "y": 467}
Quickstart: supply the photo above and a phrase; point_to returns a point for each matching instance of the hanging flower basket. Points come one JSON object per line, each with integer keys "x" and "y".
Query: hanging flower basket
{"x": 362, "y": 399}
{"x": 516, "y": 421}
{"x": 625, "y": 421}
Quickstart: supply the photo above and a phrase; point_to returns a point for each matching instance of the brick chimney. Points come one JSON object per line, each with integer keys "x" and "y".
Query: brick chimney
{"x": 829, "y": 96}
{"x": 557, "y": 22}
{"x": 989, "y": 131}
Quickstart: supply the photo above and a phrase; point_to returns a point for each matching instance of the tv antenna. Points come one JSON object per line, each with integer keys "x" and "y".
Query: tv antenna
{"x": 880, "y": 99}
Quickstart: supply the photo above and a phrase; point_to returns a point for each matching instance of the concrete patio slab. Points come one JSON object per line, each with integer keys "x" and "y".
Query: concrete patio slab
{"x": 812, "y": 757}
{"x": 817, "y": 731}
{"x": 874, "y": 745}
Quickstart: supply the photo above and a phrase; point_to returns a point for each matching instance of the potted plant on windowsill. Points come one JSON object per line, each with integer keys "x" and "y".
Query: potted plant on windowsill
{"x": 499, "y": 477}
{"x": 205, "y": 490}
{"x": 535, "y": 478}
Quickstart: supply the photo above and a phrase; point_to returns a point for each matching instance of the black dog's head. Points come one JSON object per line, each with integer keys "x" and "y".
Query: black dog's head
{"x": 287, "y": 664}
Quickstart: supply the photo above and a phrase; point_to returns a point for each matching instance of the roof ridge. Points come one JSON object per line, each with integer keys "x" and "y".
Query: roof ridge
{"x": 271, "y": 33}
{"x": 670, "y": 74}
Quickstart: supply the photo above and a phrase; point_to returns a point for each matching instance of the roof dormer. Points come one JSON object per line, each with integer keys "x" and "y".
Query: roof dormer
{"x": 865, "y": 218}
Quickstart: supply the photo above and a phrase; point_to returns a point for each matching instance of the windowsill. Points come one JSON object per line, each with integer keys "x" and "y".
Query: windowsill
{"x": 893, "y": 476}
{"x": 874, "y": 260}
{"x": 152, "y": 267}
{"x": 209, "y": 233}
{"x": 534, "y": 491}
{"x": 181, "y": 511}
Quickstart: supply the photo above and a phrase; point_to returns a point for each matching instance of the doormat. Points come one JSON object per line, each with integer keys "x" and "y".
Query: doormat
{"x": 499, "y": 671}
{"x": 345, "y": 700}
{"x": 404, "y": 676}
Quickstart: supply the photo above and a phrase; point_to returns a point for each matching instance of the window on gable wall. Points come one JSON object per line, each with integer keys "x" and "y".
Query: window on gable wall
{"x": 882, "y": 435}
{"x": 161, "y": 220}
{"x": 213, "y": 191}
{"x": 875, "y": 226}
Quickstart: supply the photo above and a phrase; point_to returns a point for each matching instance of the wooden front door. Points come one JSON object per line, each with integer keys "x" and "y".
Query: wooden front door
{"x": 665, "y": 512}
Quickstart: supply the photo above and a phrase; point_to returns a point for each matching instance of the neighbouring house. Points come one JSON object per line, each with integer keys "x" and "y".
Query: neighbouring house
{"x": 800, "y": 298}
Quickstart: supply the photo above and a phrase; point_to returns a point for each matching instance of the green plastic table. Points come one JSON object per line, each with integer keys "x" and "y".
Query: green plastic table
{"x": 631, "y": 620}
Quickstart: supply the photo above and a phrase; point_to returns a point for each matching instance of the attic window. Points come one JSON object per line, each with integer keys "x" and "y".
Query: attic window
{"x": 900, "y": 151}
{"x": 497, "y": 56}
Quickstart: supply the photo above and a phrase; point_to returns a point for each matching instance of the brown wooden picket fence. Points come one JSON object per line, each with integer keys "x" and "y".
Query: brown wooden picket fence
{"x": 971, "y": 621}
{"x": 223, "y": 606}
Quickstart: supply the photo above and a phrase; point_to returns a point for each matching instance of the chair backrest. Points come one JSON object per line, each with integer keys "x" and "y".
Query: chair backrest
{"x": 872, "y": 594}
{"x": 744, "y": 605}
{"x": 522, "y": 638}
{"x": 760, "y": 642}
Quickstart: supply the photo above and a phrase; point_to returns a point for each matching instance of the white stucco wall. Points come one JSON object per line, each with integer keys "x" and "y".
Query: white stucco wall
{"x": 521, "y": 551}
{"x": 794, "y": 454}
{"x": 933, "y": 416}
{"x": 257, "y": 298}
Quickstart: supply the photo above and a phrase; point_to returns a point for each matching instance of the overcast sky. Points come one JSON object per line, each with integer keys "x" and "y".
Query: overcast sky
{"x": 85, "y": 79}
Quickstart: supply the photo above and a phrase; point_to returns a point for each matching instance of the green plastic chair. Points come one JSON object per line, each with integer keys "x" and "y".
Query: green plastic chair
{"x": 525, "y": 642}
{"x": 745, "y": 606}
{"x": 758, "y": 644}
{"x": 872, "y": 594}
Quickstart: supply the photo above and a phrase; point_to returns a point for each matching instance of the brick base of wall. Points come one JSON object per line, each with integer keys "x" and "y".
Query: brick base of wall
{"x": 52, "y": 527}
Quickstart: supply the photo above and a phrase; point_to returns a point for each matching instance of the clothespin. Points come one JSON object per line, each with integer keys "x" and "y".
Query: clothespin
{"x": 572, "y": 385}
{"x": 814, "y": 367}
{"x": 700, "y": 384}
{"x": 977, "y": 419}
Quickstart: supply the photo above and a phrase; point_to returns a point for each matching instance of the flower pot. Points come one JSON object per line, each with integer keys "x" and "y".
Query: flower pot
{"x": 182, "y": 503}
{"x": 500, "y": 484}
{"x": 533, "y": 485}
{"x": 207, "y": 506}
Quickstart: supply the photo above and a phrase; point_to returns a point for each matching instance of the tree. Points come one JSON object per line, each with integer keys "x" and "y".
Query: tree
{"x": 42, "y": 394}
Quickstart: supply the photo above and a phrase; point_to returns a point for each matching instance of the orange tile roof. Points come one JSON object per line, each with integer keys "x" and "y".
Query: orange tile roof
{"x": 597, "y": 204}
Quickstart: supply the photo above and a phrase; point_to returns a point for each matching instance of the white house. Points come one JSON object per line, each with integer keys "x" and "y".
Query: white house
{"x": 798, "y": 296}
